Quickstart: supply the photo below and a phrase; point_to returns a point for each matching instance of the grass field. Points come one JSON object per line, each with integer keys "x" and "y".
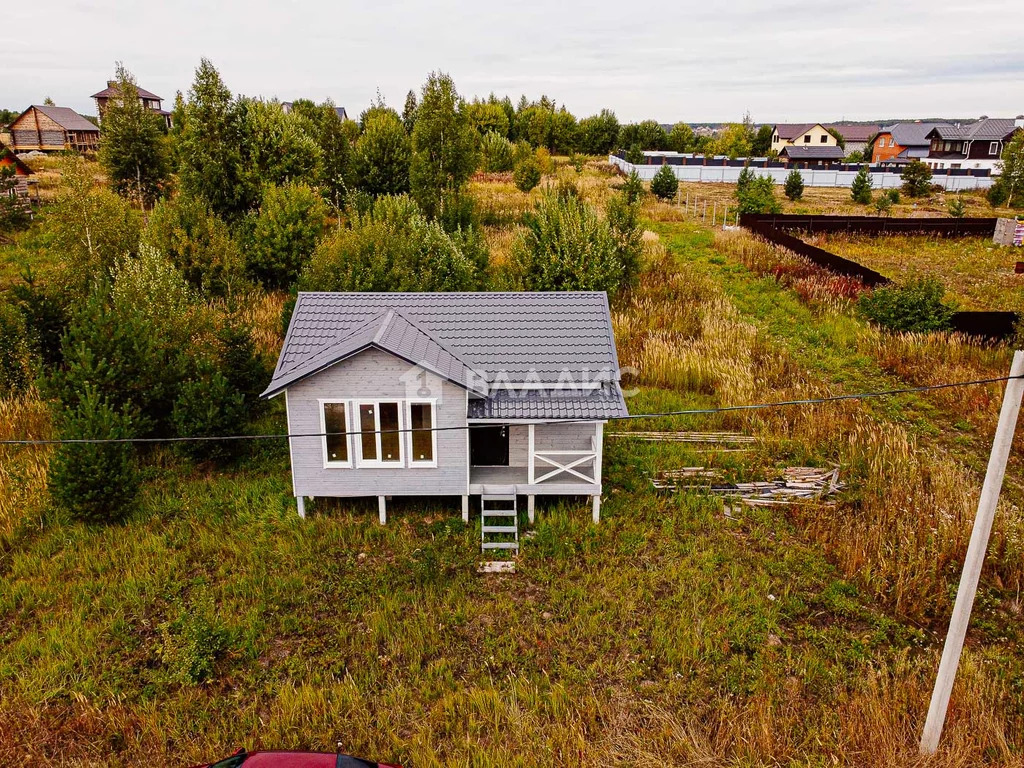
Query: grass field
{"x": 670, "y": 634}
{"x": 977, "y": 272}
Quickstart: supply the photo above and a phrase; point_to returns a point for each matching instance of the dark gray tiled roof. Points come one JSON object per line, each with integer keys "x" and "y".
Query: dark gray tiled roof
{"x": 391, "y": 331}
{"x": 469, "y": 338}
{"x": 812, "y": 152}
{"x": 603, "y": 403}
{"x": 913, "y": 134}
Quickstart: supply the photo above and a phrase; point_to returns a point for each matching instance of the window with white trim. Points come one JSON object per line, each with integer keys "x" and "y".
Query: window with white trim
{"x": 380, "y": 438}
{"x": 334, "y": 426}
{"x": 993, "y": 147}
{"x": 422, "y": 436}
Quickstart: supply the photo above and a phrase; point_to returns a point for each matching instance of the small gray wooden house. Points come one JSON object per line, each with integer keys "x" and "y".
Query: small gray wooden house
{"x": 448, "y": 394}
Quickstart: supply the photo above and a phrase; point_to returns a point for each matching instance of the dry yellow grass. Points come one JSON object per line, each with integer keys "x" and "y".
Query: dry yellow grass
{"x": 22, "y": 469}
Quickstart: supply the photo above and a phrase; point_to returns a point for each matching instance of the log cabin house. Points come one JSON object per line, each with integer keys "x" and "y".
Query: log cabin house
{"x": 149, "y": 100}
{"x": 43, "y": 128}
{"x": 494, "y": 395}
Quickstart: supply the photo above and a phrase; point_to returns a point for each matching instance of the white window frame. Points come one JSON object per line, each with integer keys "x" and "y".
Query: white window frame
{"x": 378, "y": 463}
{"x": 993, "y": 148}
{"x": 413, "y": 461}
{"x": 328, "y": 464}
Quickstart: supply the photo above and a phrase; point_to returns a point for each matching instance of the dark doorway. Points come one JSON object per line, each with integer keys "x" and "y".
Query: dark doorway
{"x": 488, "y": 446}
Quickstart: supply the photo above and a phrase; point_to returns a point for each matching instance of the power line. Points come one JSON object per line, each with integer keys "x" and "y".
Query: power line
{"x": 629, "y": 417}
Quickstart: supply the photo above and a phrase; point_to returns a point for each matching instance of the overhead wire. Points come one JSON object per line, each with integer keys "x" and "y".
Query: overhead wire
{"x": 498, "y": 422}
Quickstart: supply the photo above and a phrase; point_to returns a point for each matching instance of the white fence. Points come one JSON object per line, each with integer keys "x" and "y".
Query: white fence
{"x": 812, "y": 177}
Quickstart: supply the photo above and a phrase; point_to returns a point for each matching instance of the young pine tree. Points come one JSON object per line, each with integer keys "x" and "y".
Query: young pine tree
{"x": 95, "y": 482}
{"x": 794, "y": 185}
{"x": 917, "y": 179}
{"x": 956, "y": 208}
{"x": 664, "y": 185}
{"x": 860, "y": 189}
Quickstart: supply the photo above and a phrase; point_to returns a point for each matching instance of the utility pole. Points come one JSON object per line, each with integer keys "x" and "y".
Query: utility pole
{"x": 975, "y": 557}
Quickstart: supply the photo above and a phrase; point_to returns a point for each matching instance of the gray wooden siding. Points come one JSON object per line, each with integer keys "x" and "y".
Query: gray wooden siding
{"x": 377, "y": 375}
{"x": 564, "y": 437}
{"x": 518, "y": 445}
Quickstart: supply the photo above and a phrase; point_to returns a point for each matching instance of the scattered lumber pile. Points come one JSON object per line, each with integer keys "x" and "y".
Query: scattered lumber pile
{"x": 797, "y": 485}
{"x": 687, "y": 437}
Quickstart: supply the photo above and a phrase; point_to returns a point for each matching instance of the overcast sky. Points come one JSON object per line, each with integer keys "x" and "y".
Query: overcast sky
{"x": 703, "y": 61}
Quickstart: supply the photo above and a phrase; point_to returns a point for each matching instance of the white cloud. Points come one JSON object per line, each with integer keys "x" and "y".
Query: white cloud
{"x": 680, "y": 60}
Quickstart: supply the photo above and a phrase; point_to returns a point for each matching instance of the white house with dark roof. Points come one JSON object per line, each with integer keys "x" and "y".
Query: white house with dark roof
{"x": 496, "y": 395}
{"x": 801, "y": 135}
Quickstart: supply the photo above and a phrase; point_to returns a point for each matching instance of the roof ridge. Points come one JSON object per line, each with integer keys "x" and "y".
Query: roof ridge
{"x": 433, "y": 337}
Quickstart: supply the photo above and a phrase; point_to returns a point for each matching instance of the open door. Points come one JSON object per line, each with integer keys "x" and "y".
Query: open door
{"x": 488, "y": 446}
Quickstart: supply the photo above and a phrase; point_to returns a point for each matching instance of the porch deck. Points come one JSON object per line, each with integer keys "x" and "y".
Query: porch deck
{"x": 489, "y": 479}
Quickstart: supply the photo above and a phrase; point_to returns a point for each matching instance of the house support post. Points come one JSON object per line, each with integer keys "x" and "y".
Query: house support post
{"x": 597, "y": 508}
{"x": 382, "y": 510}
{"x": 531, "y": 508}
{"x": 465, "y": 509}
{"x": 300, "y": 502}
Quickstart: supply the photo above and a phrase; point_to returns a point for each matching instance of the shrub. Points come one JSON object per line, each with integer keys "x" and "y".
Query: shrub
{"x": 624, "y": 220}
{"x": 633, "y": 188}
{"x": 997, "y": 194}
{"x": 917, "y": 306}
{"x": 758, "y": 196}
{"x": 191, "y": 644}
{"x": 241, "y": 364}
{"x": 14, "y": 212}
{"x": 664, "y": 185}
{"x": 208, "y": 407}
{"x": 956, "y": 208}
{"x": 794, "y": 185}
{"x": 391, "y": 248}
{"x": 565, "y": 247}
{"x": 282, "y": 236}
{"x": 635, "y": 155}
{"x": 883, "y": 205}
{"x": 16, "y": 359}
{"x": 90, "y": 228}
{"x": 894, "y": 195}
{"x": 198, "y": 243}
{"x": 132, "y": 343}
{"x": 498, "y": 153}
{"x": 94, "y": 482}
{"x": 45, "y": 309}
{"x": 860, "y": 189}
{"x": 527, "y": 175}
{"x": 917, "y": 179}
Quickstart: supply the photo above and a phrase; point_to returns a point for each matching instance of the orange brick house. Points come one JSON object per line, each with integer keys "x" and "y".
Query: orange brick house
{"x": 900, "y": 143}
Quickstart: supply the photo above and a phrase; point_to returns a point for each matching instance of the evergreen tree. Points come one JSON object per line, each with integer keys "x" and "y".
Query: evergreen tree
{"x": 633, "y": 188}
{"x": 444, "y": 146}
{"x": 283, "y": 235}
{"x": 743, "y": 181}
{"x": 209, "y": 148}
{"x": 133, "y": 149}
{"x": 956, "y": 207}
{"x": 860, "y": 188}
{"x": 794, "y": 185}
{"x": 409, "y": 111}
{"x": 527, "y": 174}
{"x": 598, "y": 133}
{"x": 380, "y": 161}
{"x": 95, "y": 482}
{"x": 762, "y": 142}
{"x": 664, "y": 185}
{"x": 917, "y": 178}
{"x": 328, "y": 129}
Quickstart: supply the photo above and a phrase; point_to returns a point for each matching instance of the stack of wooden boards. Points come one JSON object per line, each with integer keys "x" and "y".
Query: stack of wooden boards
{"x": 797, "y": 485}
